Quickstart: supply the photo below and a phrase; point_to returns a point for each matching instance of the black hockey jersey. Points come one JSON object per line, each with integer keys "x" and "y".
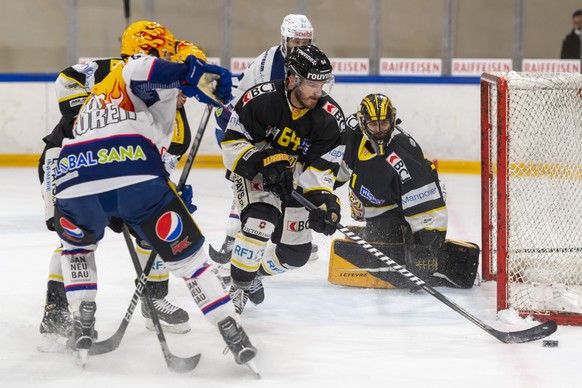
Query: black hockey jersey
{"x": 401, "y": 180}
{"x": 264, "y": 118}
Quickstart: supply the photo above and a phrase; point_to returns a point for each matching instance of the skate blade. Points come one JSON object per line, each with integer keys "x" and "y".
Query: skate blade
{"x": 52, "y": 343}
{"x": 181, "y": 328}
{"x": 220, "y": 257}
{"x": 81, "y": 356}
{"x": 253, "y": 367}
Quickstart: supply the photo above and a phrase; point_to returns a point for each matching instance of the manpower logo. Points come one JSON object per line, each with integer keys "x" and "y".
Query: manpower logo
{"x": 426, "y": 193}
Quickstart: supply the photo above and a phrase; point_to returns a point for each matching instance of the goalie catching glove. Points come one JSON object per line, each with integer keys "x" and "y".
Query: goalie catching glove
{"x": 277, "y": 174}
{"x": 326, "y": 217}
{"x": 209, "y": 84}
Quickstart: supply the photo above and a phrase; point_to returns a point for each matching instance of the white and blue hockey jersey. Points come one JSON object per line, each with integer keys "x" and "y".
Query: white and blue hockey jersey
{"x": 123, "y": 129}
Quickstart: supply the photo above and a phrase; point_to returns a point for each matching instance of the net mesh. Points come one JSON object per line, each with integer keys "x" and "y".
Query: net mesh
{"x": 544, "y": 192}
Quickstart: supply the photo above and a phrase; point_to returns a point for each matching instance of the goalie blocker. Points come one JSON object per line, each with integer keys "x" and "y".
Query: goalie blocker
{"x": 456, "y": 267}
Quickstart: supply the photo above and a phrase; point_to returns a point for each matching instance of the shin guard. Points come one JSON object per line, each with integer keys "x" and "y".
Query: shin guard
{"x": 210, "y": 294}
{"x": 80, "y": 276}
{"x": 246, "y": 259}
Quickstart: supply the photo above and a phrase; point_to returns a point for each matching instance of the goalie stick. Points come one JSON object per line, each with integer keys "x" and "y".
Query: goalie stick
{"x": 534, "y": 333}
{"x": 112, "y": 343}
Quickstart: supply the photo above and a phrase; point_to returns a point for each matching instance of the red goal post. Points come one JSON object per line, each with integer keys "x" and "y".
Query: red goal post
{"x": 531, "y": 177}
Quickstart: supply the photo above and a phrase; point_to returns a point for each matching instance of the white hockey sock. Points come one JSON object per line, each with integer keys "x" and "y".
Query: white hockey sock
{"x": 159, "y": 272}
{"x": 80, "y": 276}
{"x": 205, "y": 285}
{"x": 271, "y": 264}
{"x": 210, "y": 294}
{"x": 247, "y": 253}
{"x": 233, "y": 224}
{"x": 55, "y": 269}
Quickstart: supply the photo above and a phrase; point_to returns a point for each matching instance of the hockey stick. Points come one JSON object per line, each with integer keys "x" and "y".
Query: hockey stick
{"x": 112, "y": 343}
{"x": 534, "y": 333}
{"x": 175, "y": 363}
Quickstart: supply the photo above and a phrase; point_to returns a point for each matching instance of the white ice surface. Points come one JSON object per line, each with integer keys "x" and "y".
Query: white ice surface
{"x": 309, "y": 332}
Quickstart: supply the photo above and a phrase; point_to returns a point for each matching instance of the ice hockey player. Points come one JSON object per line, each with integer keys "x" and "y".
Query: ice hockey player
{"x": 283, "y": 135}
{"x": 73, "y": 86}
{"x": 114, "y": 167}
{"x": 296, "y": 30}
{"x": 398, "y": 193}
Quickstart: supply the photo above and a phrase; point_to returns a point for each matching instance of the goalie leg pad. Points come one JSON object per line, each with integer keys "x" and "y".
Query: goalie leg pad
{"x": 458, "y": 264}
{"x": 350, "y": 265}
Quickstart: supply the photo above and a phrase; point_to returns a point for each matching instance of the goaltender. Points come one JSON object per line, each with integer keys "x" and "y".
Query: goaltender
{"x": 398, "y": 193}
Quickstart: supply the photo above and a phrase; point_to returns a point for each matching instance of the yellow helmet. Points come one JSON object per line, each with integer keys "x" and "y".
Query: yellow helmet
{"x": 145, "y": 36}
{"x": 185, "y": 48}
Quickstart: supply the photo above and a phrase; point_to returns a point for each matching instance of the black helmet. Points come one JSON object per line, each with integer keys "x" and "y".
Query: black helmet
{"x": 376, "y": 107}
{"x": 309, "y": 62}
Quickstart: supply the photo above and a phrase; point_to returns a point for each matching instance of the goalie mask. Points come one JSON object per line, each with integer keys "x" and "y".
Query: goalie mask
{"x": 296, "y": 30}
{"x": 149, "y": 38}
{"x": 185, "y": 48}
{"x": 376, "y": 117}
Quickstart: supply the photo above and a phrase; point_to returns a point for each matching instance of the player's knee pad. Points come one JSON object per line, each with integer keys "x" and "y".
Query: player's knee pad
{"x": 71, "y": 234}
{"x": 210, "y": 293}
{"x": 80, "y": 276}
{"x": 258, "y": 221}
{"x": 172, "y": 232}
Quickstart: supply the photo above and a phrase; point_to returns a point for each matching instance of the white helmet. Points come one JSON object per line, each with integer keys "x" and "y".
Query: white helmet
{"x": 295, "y": 26}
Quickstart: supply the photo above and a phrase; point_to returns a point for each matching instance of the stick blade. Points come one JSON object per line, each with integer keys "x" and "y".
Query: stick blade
{"x": 532, "y": 334}
{"x": 182, "y": 365}
{"x": 219, "y": 257}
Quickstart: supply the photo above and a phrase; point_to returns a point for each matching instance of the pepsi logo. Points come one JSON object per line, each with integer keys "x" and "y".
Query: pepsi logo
{"x": 71, "y": 229}
{"x": 169, "y": 226}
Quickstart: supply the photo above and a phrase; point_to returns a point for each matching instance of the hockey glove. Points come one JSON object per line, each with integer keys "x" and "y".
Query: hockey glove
{"x": 277, "y": 174}
{"x": 209, "y": 84}
{"x": 326, "y": 218}
{"x": 186, "y": 196}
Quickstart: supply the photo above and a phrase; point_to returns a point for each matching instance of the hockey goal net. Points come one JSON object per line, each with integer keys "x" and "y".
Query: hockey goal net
{"x": 531, "y": 152}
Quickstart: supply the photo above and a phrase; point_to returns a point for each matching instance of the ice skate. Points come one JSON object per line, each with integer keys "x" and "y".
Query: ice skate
{"x": 56, "y": 321}
{"x": 239, "y": 298}
{"x": 314, "y": 255}
{"x": 256, "y": 292}
{"x": 172, "y": 318}
{"x": 83, "y": 334}
{"x": 237, "y": 342}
